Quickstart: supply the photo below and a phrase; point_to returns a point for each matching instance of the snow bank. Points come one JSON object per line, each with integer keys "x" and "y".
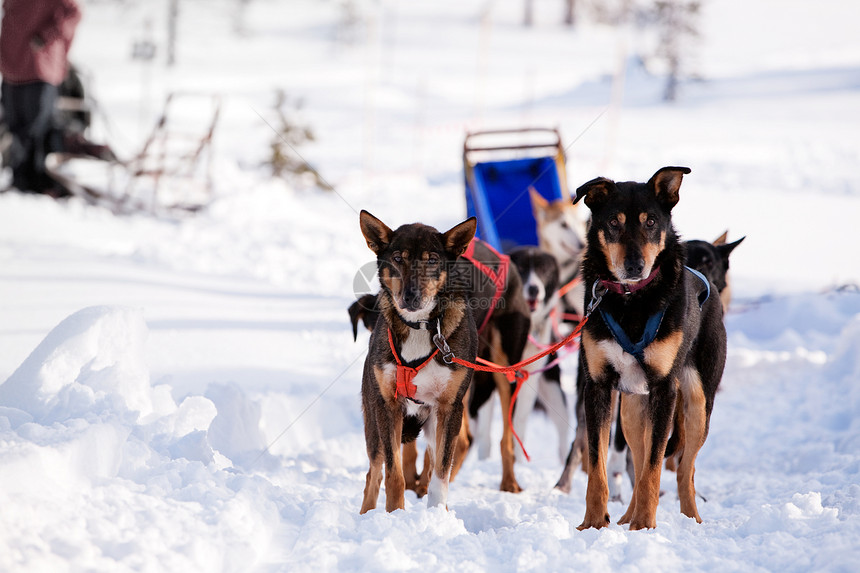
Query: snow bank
{"x": 107, "y": 472}
{"x": 90, "y": 363}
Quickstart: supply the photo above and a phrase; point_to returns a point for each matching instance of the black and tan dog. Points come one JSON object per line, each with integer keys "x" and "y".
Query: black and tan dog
{"x": 635, "y": 275}
{"x": 409, "y": 382}
{"x": 712, "y": 260}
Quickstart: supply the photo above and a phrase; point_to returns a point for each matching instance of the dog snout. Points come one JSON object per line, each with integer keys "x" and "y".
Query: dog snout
{"x": 412, "y": 296}
{"x": 532, "y": 292}
{"x": 633, "y": 267}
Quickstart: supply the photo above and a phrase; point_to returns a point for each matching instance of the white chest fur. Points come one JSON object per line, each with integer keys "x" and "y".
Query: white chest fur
{"x": 417, "y": 345}
{"x": 631, "y": 376}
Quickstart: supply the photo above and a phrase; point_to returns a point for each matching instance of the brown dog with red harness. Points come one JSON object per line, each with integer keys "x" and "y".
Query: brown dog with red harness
{"x": 409, "y": 380}
{"x": 494, "y": 292}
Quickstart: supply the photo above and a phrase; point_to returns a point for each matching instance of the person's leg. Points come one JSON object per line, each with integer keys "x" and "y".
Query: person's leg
{"x": 18, "y": 116}
{"x": 40, "y": 130}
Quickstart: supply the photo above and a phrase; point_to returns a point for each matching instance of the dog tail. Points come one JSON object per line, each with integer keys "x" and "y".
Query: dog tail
{"x": 355, "y": 313}
{"x": 411, "y": 429}
{"x": 364, "y": 309}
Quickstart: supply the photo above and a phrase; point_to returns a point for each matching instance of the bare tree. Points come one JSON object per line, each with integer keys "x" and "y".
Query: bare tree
{"x": 569, "y": 14}
{"x": 172, "y": 19}
{"x": 676, "y": 22}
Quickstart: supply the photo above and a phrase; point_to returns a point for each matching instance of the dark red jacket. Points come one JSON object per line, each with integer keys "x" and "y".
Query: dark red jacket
{"x": 35, "y": 38}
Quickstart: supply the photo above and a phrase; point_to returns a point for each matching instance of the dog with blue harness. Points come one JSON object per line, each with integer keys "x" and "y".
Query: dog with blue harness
{"x": 659, "y": 341}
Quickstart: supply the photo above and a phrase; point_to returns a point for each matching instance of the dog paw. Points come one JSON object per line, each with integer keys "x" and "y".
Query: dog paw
{"x": 595, "y": 523}
{"x": 563, "y": 487}
{"x": 692, "y": 514}
{"x": 510, "y": 486}
{"x": 638, "y": 524}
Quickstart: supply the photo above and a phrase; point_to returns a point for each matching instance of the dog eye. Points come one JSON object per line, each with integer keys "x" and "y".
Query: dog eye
{"x": 564, "y": 224}
{"x": 397, "y": 259}
{"x": 650, "y": 222}
{"x": 433, "y": 260}
{"x": 614, "y": 223}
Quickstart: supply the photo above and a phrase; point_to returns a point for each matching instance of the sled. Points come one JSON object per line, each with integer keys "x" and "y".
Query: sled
{"x": 499, "y": 168}
{"x": 171, "y": 172}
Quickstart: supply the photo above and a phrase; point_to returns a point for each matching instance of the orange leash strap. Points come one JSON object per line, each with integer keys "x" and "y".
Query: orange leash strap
{"x": 569, "y": 286}
{"x": 514, "y": 373}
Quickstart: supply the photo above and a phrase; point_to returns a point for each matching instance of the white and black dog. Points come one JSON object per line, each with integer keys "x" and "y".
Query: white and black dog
{"x": 540, "y": 276}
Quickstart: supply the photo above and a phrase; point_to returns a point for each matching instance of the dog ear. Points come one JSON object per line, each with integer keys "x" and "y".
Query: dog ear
{"x": 726, "y": 249}
{"x": 457, "y": 238}
{"x": 721, "y": 240}
{"x": 376, "y": 233}
{"x": 539, "y": 204}
{"x": 596, "y": 192}
{"x": 666, "y": 184}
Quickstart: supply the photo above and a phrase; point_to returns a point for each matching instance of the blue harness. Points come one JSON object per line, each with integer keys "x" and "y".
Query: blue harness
{"x": 637, "y": 350}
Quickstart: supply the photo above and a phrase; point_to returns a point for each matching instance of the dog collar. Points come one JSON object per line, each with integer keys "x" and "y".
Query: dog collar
{"x": 624, "y": 288}
{"x": 420, "y": 324}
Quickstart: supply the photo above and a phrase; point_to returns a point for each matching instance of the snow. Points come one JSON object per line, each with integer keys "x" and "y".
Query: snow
{"x": 180, "y": 393}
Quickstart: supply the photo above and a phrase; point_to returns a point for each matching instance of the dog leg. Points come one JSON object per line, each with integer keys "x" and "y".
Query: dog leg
{"x": 633, "y": 415}
{"x": 694, "y": 423}
{"x": 424, "y": 478}
{"x": 372, "y": 483}
{"x": 413, "y": 480}
{"x": 673, "y": 457}
{"x": 410, "y": 469}
{"x": 580, "y": 441}
{"x": 503, "y": 387}
{"x": 655, "y": 412}
{"x": 552, "y": 396}
{"x": 485, "y": 423}
{"x": 522, "y": 410}
{"x": 448, "y": 423}
{"x": 507, "y": 350}
{"x": 617, "y": 456}
{"x": 464, "y": 442}
{"x": 576, "y": 456}
{"x": 509, "y": 480}
{"x": 394, "y": 482}
{"x": 598, "y": 400}
{"x": 564, "y": 482}
{"x": 375, "y": 457}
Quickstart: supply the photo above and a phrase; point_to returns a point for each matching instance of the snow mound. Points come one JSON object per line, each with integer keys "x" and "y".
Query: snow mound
{"x": 92, "y": 362}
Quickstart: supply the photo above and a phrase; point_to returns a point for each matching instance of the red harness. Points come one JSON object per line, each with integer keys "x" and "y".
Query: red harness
{"x": 499, "y": 278}
{"x": 405, "y": 387}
